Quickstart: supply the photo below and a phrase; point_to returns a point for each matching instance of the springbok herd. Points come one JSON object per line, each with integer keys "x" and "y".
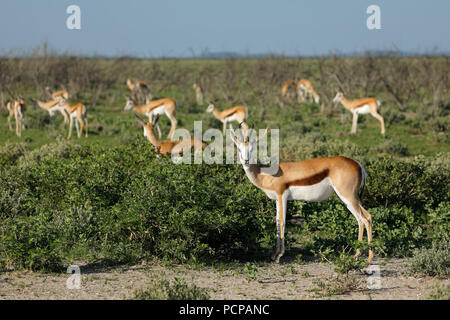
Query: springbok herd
{"x": 311, "y": 180}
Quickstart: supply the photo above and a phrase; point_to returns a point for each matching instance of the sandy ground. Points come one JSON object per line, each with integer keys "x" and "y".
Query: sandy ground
{"x": 269, "y": 281}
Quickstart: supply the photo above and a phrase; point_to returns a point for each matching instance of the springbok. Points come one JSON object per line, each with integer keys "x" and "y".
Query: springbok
{"x": 78, "y": 112}
{"x": 286, "y": 86}
{"x": 311, "y": 180}
{"x": 164, "y": 148}
{"x": 16, "y": 109}
{"x": 237, "y": 113}
{"x": 165, "y": 106}
{"x": 198, "y": 93}
{"x": 63, "y": 94}
{"x": 52, "y": 106}
{"x": 140, "y": 89}
{"x": 306, "y": 90}
{"x": 361, "y": 106}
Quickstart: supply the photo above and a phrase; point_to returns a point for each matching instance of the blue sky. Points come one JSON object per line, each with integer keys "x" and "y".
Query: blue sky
{"x": 183, "y": 28}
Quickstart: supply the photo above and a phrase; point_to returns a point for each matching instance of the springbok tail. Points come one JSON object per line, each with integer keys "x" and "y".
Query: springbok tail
{"x": 363, "y": 180}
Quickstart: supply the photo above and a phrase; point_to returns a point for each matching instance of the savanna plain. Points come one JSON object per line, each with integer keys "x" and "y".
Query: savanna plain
{"x": 141, "y": 227}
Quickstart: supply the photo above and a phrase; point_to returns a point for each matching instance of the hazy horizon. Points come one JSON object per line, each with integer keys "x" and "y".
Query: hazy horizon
{"x": 212, "y": 27}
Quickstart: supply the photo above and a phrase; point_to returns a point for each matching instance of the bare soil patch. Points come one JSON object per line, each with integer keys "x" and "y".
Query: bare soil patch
{"x": 290, "y": 281}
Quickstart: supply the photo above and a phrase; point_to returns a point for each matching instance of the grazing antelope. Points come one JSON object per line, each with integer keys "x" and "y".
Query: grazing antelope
{"x": 52, "y": 106}
{"x": 63, "y": 94}
{"x": 164, "y": 148}
{"x": 16, "y": 108}
{"x": 311, "y": 180}
{"x": 286, "y": 86}
{"x": 305, "y": 89}
{"x": 361, "y": 106}
{"x": 237, "y": 113}
{"x": 78, "y": 112}
{"x": 198, "y": 94}
{"x": 140, "y": 88}
{"x": 156, "y": 107}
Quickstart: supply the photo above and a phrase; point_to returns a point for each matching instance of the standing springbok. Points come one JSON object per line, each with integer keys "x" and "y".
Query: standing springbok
{"x": 237, "y": 113}
{"x": 361, "y": 106}
{"x": 63, "y": 94}
{"x": 78, "y": 112}
{"x": 164, "y": 148}
{"x": 165, "y": 106}
{"x": 52, "y": 106}
{"x": 306, "y": 90}
{"x": 16, "y": 108}
{"x": 198, "y": 93}
{"x": 311, "y": 180}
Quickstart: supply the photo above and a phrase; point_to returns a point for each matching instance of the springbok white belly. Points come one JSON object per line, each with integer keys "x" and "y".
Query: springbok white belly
{"x": 157, "y": 111}
{"x": 54, "y": 109}
{"x": 314, "y": 193}
{"x": 231, "y": 118}
{"x": 363, "y": 110}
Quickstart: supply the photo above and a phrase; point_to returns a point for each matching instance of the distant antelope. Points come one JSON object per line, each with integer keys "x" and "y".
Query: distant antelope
{"x": 305, "y": 89}
{"x": 16, "y": 108}
{"x": 63, "y": 94}
{"x": 168, "y": 147}
{"x": 286, "y": 86}
{"x": 165, "y": 106}
{"x": 198, "y": 94}
{"x": 311, "y": 180}
{"x": 52, "y": 106}
{"x": 140, "y": 88}
{"x": 237, "y": 113}
{"x": 361, "y": 106}
{"x": 78, "y": 112}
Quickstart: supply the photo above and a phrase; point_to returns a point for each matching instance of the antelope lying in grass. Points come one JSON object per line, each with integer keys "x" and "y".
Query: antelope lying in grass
{"x": 311, "y": 180}
{"x": 165, "y": 106}
{"x": 163, "y": 148}
{"x": 361, "y": 106}
{"x": 16, "y": 109}
{"x": 237, "y": 113}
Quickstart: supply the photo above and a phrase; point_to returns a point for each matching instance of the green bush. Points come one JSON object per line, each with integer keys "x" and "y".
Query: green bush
{"x": 414, "y": 183}
{"x": 439, "y": 222}
{"x": 434, "y": 261}
{"x": 393, "y": 147}
{"x": 164, "y": 290}
{"x": 11, "y": 152}
{"x": 122, "y": 204}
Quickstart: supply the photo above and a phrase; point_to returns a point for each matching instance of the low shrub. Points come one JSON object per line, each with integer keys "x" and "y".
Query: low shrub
{"x": 434, "y": 261}
{"x": 177, "y": 290}
{"x": 122, "y": 204}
